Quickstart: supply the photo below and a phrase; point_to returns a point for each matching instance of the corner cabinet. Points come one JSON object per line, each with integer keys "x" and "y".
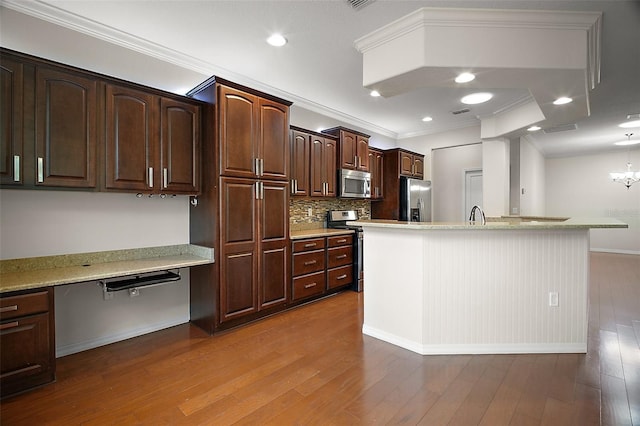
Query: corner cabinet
{"x": 353, "y": 148}
{"x": 243, "y": 208}
{"x": 152, "y": 143}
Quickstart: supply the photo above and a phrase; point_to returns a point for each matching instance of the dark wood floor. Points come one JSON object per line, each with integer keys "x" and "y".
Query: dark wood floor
{"x": 313, "y": 366}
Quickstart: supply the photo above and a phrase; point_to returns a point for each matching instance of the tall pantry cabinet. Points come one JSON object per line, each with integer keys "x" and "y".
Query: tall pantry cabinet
{"x": 243, "y": 210}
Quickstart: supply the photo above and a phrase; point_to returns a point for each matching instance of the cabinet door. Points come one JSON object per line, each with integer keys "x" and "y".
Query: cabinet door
{"x": 65, "y": 129}
{"x": 329, "y": 166}
{"x": 376, "y": 169}
{"x": 180, "y": 147}
{"x": 348, "y": 150}
{"x": 11, "y": 153}
{"x": 274, "y": 243}
{"x": 418, "y": 166}
{"x": 362, "y": 152}
{"x": 406, "y": 164}
{"x": 238, "y": 257}
{"x": 132, "y": 138}
{"x": 300, "y": 163}
{"x": 274, "y": 140}
{"x": 317, "y": 182}
{"x": 238, "y": 132}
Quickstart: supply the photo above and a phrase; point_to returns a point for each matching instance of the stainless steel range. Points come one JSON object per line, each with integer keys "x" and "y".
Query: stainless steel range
{"x": 338, "y": 219}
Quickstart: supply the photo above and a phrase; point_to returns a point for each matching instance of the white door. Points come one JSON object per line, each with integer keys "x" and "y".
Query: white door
{"x": 472, "y": 191}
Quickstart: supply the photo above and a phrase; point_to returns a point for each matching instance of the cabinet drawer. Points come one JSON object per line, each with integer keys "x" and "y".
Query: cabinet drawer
{"x": 340, "y": 240}
{"x": 339, "y": 277}
{"x": 24, "y": 304}
{"x": 308, "y": 285}
{"x": 339, "y": 256}
{"x": 306, "y": 245}
{"x": 308, "y": 262}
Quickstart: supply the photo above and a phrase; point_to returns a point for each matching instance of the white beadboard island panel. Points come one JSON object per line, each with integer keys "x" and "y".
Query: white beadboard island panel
{"x": 469, "y": 289}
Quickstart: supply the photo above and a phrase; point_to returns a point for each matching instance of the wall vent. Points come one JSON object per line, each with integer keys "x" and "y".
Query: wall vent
{"x": 562, "y": 128}
{"x": 460, "y": 111}
{"x": 359, "y": 4}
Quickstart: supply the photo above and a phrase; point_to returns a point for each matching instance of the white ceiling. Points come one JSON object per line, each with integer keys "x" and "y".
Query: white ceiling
{"x": 184, "y": 42}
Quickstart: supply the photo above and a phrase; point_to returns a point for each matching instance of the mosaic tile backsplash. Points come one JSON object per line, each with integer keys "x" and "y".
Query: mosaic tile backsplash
{"x": 299, "y": 218}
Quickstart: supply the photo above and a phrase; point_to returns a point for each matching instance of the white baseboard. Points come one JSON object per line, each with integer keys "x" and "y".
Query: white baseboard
{"x": 615, "y": 251}
{"x": 105, "y": 340}
{"x": 474, "y": 349}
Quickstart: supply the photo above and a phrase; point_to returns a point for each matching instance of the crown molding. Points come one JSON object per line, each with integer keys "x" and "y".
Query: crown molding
{"x": 57, "y": 16}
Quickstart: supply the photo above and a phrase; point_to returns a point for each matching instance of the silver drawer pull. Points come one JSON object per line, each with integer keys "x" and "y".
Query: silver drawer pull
{"x": 150, "y": 177}
{"x": 310, "y": 262}
{"x": 165, "y": 178}
{"x": 16, "y": 168}
{"x": 342, "y": 256}
{"x": 40, "y": 170}
{"x": 341, "y": 277}
{"x": 310, "y": 285}
{"x": 9, "y": 308}
{"x": 310, "y": 245}
{"x": 341, "y": 241}
{"x": 12, "y": 324}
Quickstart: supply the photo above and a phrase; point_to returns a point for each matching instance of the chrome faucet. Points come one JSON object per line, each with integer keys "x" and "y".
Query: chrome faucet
{"x": 472, "y": 216}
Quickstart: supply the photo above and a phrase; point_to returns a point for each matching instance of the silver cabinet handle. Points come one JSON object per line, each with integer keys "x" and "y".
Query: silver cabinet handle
{"x": 292, "y": 186}
{"x": 8, "y": 325}
{"x": 310, "y": 245}
{"x": 10, "y": 308}
{"x": 296, "y": 180}
{"x": 310, "y": 285}
{"x": 165, "y": 177}
{"x": 262, "y": 167}
{"x": 261, "y": 190}
{"x": 342, "y": 256}
{"x": 257, "y": 190}
{"x": 310, "y": 262}
{"x": 40, "y": 169}
{"x": 256, "y": 165}
{"x": 150, "y": 176}
{"x": 341, "y": 277}
{"x": 16, "y": 168}
{"x": 341, "y": 241}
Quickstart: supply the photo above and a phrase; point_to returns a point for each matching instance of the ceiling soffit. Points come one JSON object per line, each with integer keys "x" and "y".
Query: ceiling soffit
{"x": 548, "y": 53}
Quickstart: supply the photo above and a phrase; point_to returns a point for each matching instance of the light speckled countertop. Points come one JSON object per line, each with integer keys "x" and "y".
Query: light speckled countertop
{"x": 318, "y": 232}
{"x": 572, "y": 223}
{"x": 37, "y": 272}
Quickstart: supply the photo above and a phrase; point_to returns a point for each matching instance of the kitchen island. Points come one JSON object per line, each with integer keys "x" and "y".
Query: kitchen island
{"x": 462, "y": 288}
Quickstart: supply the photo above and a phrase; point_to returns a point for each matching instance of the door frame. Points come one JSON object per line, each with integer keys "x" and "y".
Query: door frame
{"x": 467, "y": 173}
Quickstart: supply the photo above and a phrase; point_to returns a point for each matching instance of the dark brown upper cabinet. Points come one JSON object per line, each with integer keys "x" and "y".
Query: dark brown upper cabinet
{"x": 253, "y": 135}
{"x": 152, "y": 142}
{"x": 300, "y": 162}
{"x": 11, "y": 142}
{"x": 353, "y": 148}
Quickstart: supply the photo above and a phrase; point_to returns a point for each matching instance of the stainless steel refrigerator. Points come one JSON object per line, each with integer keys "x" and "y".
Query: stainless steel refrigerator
{"x": 415, "y": 200}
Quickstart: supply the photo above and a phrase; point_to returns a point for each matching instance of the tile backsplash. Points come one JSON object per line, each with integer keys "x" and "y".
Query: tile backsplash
{"x": 299, "y": 218}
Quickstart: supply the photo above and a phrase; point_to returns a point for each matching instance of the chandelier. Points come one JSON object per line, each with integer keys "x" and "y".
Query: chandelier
{"x": 629, "y": 177}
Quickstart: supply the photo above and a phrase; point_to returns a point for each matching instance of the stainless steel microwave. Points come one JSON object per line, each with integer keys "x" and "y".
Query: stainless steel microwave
{"x": 355, "y": 184}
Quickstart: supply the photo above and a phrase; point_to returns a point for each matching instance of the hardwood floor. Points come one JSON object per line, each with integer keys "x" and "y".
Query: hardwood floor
{"x": 312, "y": 365}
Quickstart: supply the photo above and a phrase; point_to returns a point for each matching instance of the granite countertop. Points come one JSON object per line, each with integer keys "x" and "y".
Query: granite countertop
{"x": 572, "y": 223}
{"x": 37, "y": 272}
{"x": 318, "y": 232}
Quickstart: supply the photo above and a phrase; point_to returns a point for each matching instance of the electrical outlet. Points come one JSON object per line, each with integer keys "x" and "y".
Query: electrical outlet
{"x": 310, "y": 212}
{"x": 553, "y": 299}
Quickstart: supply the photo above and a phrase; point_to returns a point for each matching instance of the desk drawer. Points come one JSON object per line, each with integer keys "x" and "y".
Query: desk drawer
{"x": 339, "y": 256}
{"x": 309, "y": 244}
{"x": 308, "y": 285}
{"x": 340, "y": 276}
{"x": 24, "y": 304}
{"x": 308, "y": 262}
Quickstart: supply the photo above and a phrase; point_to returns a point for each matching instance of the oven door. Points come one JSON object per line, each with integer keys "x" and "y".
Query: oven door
{"x": 355, "y": 184}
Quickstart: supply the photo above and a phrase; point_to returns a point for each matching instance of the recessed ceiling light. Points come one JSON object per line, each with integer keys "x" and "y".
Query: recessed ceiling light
{"x": 476, "y": 98}
{"x": 630, "y": 124}
{"x": 534, "y": 128}
{"x": 563, "y": 100}
{"x": 465, "y": 77}
{"x": 427, "y": 118}
{"x": 277, "y": 40}
{"x": 628, "y": 141}
{"x": 375, "y": 93}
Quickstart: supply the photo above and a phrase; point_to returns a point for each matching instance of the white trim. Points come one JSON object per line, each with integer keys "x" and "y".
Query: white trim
{"x": 615, "y": 251}
{"x": 467, "y": 349}
{"x": 105, "y": 340}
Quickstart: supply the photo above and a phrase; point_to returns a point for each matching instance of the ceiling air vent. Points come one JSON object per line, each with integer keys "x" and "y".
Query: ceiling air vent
{"x": 359, "y": 4}
{"x": 460, "y": 111}
{"x": 561, "y": 128}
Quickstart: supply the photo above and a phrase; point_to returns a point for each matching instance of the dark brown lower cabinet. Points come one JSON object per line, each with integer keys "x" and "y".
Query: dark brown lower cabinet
{"x": 255, "y": 246}
{"x": 321, "y": 265}
{"x": 27, "y": 341}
